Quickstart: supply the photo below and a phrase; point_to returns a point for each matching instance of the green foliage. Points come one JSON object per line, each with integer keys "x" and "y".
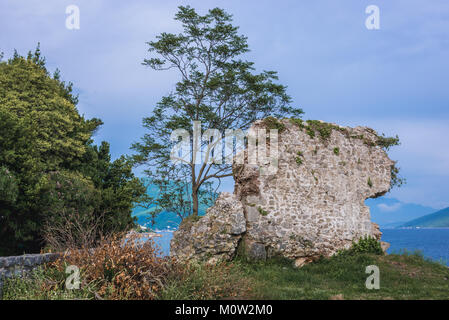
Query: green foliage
{"x": 216, "y": 87}
{"x": 202, "y": 281}
{"x": 323, "y": 128}
{"x": 310, "y": 132}
{"x": 189, "y": 221}
{"x": 131, "y": 279}
{"x": 114, "y": 269}
{"x": 370, "y": 183}
{"x": 365, "y": 245}
{"x": 396, "y": 179}
{"x": 68, "y": 202}
{"x": 44, "y": 284}
{"x": 299, "y": 158}
{"x": 262, "y": 211}
{"x": 403, "y": 276}
{"x": 120, "y": 189}
{"x": 314, "y": 177}
{"x": 298, "y": 122}
{"x": 387, "y": 142}
{"x": 273, "y": 123}
{"x": 9, "y": 189}
{"x": 42, "y": 132}
{"x": 336, "y": 151}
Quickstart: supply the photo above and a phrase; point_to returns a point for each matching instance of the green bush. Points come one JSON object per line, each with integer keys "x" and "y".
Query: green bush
{"x": 44, "y": 284}
{"x": 298, "y": 122}
{"x": 273, "y": 123}
{"x": 8, "y": 186}
{"x": 365, "y": 244}
{"x": 42, "y": 132}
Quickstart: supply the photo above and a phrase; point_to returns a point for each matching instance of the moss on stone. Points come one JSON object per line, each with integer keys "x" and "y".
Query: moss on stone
{"x": 189, "y": 221}
{"x": 297, "y": 122}
{"x": 262, "y": 211}
{"x": 273, "y": 123}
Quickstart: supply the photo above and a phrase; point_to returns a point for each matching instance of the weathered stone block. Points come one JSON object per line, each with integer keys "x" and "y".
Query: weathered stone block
{"x": 255, "y": 251}
{"x": 215, "y": 236}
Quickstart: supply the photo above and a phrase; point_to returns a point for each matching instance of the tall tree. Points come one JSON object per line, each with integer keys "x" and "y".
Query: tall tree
{"x": 218, "y": 88}
{"x": 45, "y": 142}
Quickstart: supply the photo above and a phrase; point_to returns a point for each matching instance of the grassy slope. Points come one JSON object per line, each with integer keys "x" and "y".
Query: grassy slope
{"x": 401, "y": 277}
{"x": 405, "y": 276}
{"x": 439, "y": 219}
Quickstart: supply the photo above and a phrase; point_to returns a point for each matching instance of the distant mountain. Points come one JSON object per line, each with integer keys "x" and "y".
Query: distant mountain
{"x": 392, "y": 225}
{"x": 391, "y": 213}
{"x": 439, "y": 219}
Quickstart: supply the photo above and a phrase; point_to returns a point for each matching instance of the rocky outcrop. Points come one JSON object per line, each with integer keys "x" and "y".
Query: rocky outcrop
{"x": 312, "y": 205}
{"x": 212, "y": 237}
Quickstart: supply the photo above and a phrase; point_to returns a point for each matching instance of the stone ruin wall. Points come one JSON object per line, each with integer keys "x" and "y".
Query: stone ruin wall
{"x": 310, "y": 207}
{"x": 21, "y": 265}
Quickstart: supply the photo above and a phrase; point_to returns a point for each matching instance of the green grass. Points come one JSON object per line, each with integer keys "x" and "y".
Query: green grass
{"x": 405, "y": 276}
{"x": 44, "y": 284}
{"x": 402, "y": 276}
{"x": 206, "y": 282}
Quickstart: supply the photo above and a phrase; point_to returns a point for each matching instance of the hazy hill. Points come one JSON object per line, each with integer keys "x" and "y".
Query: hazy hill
{"x": 391, "y": 213}
{"x": 439, "y": 219}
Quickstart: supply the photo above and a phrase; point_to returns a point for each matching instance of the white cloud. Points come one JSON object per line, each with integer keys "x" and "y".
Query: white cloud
{"x": 335, "y": 69}
{"x": 389, "y": 208}
{"x": 423, "y": 158}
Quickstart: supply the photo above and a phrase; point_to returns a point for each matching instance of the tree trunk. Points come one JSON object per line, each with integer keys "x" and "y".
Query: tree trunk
{"x": 195, "y": 202}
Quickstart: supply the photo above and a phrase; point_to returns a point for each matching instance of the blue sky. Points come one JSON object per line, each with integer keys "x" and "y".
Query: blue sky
{"x": 395, "y": 79}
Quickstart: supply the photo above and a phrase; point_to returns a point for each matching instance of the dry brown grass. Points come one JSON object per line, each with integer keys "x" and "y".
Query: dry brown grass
{"x": 128, "y": 268}
{"x": 120, "y": 269}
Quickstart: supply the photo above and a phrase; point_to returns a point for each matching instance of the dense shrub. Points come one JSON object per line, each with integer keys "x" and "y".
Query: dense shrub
{"x": 365, "y": 244}
{"x": 128, "y": 268}
{"x": 120, "y": 269}
{"x": 8, "y": 186}
{"x": 42, "y": 132}
{"x": 44, "y": 283}
{"x": 70, "y": 217}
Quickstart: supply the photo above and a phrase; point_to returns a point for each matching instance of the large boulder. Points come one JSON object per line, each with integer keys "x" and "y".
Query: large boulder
{"x": 214, "y": 236}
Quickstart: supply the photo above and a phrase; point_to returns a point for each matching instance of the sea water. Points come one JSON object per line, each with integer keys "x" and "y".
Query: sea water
{"x": 432, "y": 243}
